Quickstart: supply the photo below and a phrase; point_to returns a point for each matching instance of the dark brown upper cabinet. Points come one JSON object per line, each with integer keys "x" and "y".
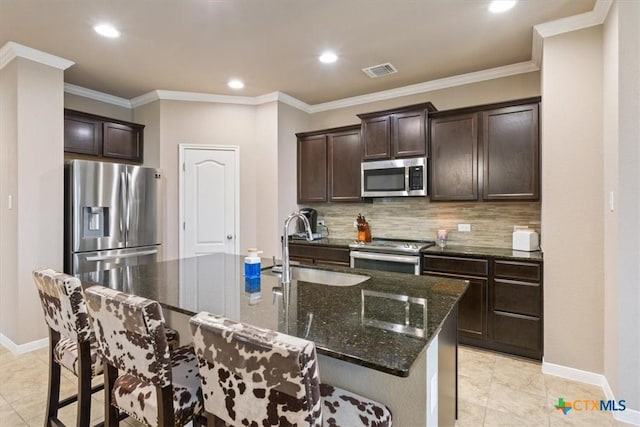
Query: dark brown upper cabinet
{"x": 344, "y": 158}
{"x": 122, "y": 141}
{"x": 454, "y": 157}
{"x": 102, "y": 137}
{"x": 511, "y": 153}
{"x": 488, "y": 152}
{"x": 395, "y": 133}
{"x": 329, "y": 165}
{"x": 82, "y": 134}
{"x": 312, "y": 168}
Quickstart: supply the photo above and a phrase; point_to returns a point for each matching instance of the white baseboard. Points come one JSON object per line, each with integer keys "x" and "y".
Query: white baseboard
{"x": 23, "y": 348}
{"x": 630, "y": 416}
{"x": 573, "y": 374}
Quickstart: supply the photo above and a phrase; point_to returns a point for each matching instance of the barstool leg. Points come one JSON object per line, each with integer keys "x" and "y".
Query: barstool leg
{"x": 53, "y": 398}
{"x": 110, "y": 411}
{"x": 84, "y": 384}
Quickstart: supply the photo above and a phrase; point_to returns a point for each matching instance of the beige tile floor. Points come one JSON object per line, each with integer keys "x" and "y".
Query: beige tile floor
{"x": 494, "y": 390}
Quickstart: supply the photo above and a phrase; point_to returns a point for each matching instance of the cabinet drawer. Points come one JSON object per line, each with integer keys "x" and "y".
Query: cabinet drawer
{"x": 517, "y": 330}
{"x": 517, "y": 270}
{"x": 301, "y": 260}
{"x": 516, "y": 297}
{"x": 320, "y": 254}
{"x": 466, "y": 266}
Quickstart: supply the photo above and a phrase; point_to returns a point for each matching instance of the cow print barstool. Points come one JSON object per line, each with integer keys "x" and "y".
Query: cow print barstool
{"x": 258, "y": 377}
{"x": 72, "y": 344}
{"x": 143, "y": 378}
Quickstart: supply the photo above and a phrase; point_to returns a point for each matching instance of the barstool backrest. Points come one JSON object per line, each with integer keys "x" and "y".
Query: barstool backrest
{"x": 63, "y": 304}
{"x": 252, "y": 375}
{"x": 130, "y": 334}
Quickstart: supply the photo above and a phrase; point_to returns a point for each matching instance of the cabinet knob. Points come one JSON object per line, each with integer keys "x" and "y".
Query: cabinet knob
{"x": 229, "y": 236}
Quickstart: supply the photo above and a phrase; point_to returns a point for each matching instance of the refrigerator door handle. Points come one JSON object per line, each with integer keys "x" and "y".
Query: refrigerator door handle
{"x": 123, "y": 205}
{"x": 129, "y": 200}
{"x": 129, "y": 255}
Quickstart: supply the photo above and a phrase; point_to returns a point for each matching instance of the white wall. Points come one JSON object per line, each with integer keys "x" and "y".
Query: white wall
{"x": 8, "y": 187}
{"x": 266, "y": 153}
{"x": 149, "y": 116}
{"x": 290, "y": 121}
{"x": 572, "y": 188}
{"x": 214, "y": 124}
{"x": 610, "y": 185}
{"x": 628, "y": 175}
{"x": 32, "y": 136}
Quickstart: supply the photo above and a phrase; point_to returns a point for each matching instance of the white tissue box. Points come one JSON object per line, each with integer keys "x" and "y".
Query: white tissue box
{"x": 525, "y": 240}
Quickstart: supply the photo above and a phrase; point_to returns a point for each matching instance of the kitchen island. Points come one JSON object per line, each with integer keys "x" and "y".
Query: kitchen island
{"x": 391, "y": 337}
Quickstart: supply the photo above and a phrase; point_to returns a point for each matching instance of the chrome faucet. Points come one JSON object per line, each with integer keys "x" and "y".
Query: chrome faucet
{"x": 286, "y": 266}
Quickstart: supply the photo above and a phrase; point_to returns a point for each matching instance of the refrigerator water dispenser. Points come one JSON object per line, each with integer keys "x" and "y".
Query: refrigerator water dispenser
{"x": 95, "y": 221}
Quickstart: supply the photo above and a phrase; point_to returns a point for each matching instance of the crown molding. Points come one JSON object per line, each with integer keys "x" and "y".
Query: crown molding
{"x": 98, "y": 96}
{"x": 12, "y": 50}
{"x": 146, "y": 98}
{"x": 567, "y": 25}
{"x": 285, "y": 99}
{"x": 224, "y": 99}
{"x": 459, "y": 80}
{"x": 462, "y": 79}
{"x": 540, "y": 32}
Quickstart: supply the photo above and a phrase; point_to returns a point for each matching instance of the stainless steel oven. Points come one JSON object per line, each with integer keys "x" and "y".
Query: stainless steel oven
{"x": 400, "y": 256}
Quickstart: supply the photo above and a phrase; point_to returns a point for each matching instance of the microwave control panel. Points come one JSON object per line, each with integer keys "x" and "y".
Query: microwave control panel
{"x": 416, "y": 178}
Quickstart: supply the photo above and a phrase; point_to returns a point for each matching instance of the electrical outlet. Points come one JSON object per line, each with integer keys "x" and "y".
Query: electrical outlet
{"x": 355, "y": 224}
{"x": 464, "y": 227}
{"x": 321, "y": 222}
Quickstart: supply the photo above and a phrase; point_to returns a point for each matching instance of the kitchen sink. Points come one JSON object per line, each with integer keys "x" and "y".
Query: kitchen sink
{"x": 324, "y": 277}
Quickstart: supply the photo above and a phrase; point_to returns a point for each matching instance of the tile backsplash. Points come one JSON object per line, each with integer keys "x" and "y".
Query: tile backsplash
{"x": 418, "y": 219}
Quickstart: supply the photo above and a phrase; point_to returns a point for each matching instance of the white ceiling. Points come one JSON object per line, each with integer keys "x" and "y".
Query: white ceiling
{"x": 272, "y": 45}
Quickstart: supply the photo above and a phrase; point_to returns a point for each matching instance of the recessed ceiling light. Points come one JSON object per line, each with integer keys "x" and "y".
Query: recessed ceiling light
{"x": 235, "y": 84}
{"x": 499, "y": 6}
{"x": 328, "y": 57}
{"x": 107, "y": 31}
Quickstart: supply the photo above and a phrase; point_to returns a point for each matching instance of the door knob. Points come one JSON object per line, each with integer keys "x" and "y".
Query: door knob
{"x": 229, "y": 236}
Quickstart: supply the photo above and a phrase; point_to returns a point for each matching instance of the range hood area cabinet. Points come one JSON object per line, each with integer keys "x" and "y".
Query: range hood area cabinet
{"x": 329, "y": 165}
{"x": 489, "y": 152}
{"x": 395, "y": 133}
{"x": 102, "y": 137}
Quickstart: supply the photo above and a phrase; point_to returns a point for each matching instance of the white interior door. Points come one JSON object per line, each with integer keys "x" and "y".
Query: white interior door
{"x": 209, "y": 200}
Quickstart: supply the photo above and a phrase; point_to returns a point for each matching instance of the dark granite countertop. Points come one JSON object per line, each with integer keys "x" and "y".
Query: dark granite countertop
{"x": 364, "y": 324}
{"x": 467, "y": 251}
{"x": 327, "y": 241}
{"x": 481, "y": 252}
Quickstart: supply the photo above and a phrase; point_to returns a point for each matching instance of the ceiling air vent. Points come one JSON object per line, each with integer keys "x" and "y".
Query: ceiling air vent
{"x": 380, "y": 70}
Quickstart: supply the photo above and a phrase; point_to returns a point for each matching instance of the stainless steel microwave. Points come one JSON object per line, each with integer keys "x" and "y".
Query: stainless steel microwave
{"x": 394, "y": 178}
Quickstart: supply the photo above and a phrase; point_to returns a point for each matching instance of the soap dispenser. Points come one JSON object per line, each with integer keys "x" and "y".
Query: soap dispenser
{"x": 252, "y": 264}
{"x": 252, "y": 273}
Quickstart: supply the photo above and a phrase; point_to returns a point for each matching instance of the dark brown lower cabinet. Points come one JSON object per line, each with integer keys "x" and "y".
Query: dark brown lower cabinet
{"x": 516, "y": 333}
{"x": 306, "y": 253}
{"x": 472, "y": 308}
{"x": 516, "y": 308}
{"x": 502, "y": 310}
{"x": 472, "y": 311}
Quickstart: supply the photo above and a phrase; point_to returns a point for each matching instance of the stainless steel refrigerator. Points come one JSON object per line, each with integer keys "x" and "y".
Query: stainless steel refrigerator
{"x": 111, "y": 215}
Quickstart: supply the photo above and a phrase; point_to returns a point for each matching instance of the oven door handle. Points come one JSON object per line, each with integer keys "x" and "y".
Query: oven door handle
{"x": 404, "y": 259}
